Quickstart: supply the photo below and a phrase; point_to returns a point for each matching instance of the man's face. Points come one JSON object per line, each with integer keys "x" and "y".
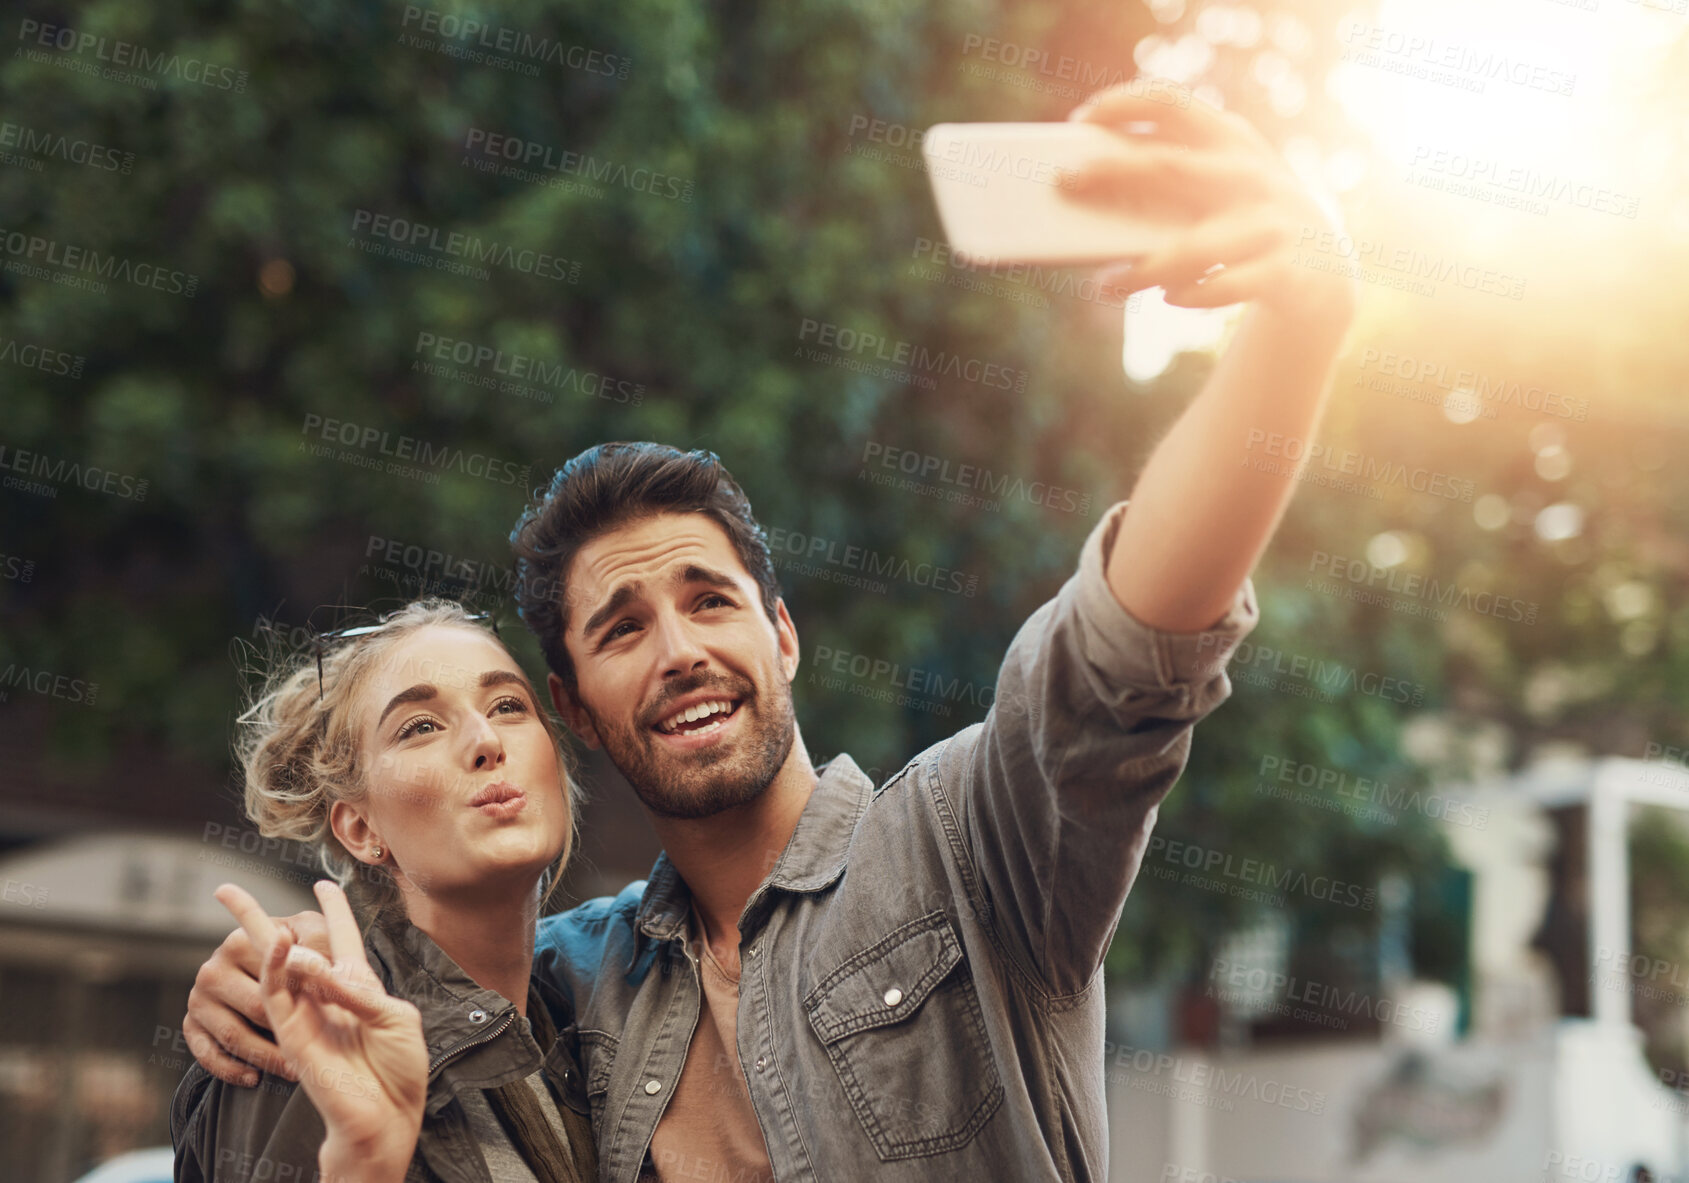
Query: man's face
{"x": 664, "y": 620}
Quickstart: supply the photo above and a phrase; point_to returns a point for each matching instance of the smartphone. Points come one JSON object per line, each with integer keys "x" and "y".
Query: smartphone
{"x": 997, "y": 187}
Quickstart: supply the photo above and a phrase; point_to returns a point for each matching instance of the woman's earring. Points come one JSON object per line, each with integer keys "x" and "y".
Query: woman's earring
{"x": 378, "y": 852}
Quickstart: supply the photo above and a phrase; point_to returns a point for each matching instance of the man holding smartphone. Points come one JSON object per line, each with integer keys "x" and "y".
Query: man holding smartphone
{"x": 825, "y": 978}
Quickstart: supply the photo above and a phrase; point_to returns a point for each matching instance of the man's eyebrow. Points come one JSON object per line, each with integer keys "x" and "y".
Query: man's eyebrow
{"x": 691, "y": 573}
{"x": 421, "y": 692}
{"x": 618, "y": 601}
{"x": 696, "y": 574}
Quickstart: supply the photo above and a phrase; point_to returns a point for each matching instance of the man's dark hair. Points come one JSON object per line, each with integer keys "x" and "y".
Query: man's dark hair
{"x": 606, "y": 487}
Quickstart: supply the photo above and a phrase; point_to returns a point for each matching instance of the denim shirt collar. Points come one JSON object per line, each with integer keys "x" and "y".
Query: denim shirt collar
{"x": 812, "y": 861}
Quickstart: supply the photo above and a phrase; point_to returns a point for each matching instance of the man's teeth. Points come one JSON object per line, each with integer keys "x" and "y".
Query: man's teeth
{"x": 693, "y": 713}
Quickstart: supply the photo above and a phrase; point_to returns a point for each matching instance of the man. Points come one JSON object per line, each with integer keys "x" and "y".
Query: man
{"x": 829, "y": 979}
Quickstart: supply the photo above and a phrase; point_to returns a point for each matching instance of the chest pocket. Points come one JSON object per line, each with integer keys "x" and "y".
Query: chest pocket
{"x": 902, "y": 1024}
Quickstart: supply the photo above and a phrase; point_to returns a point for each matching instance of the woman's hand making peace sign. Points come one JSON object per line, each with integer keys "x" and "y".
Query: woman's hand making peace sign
{"x": 358, "y": 1052}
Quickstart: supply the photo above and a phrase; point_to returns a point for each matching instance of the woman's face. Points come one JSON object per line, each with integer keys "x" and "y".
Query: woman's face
{"x": 465, "y": 786}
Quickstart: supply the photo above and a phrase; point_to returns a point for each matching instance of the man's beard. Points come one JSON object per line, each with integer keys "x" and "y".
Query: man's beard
{"x": 708, "y": 781}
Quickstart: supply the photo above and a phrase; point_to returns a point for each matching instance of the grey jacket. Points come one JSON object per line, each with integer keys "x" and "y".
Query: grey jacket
{"x": 476, "y": 1040}
{"x": 922, "y": 994}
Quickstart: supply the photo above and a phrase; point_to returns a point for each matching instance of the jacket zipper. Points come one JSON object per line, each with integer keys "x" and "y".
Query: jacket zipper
{"x": 486, "y": 1037}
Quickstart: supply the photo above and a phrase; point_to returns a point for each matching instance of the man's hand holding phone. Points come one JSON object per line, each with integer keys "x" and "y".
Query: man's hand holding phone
{"x": 1196, "y": 198}
{"x": 1244, "y": 212}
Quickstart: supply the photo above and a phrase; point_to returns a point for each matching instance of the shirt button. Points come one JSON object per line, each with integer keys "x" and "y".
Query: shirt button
{"x": 762, "y": 1063}
{"x": 477, "y": 1015}
{"x": 653, "y": 1087}
{"x": 894, "y": 996}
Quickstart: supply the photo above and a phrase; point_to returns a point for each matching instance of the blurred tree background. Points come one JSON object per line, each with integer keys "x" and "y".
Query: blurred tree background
{"x": 684, "y": 323}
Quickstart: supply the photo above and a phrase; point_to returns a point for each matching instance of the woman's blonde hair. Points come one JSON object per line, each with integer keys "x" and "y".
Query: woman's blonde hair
{"x": 300, "y": 751}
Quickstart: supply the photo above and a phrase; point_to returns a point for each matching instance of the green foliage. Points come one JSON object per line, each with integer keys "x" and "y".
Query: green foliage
{"x": 1659, "y": 922}
{"x": 758, "y": 111}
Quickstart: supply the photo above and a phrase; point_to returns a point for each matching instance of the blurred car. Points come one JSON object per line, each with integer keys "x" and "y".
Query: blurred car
{"x": 156, "y": 1164}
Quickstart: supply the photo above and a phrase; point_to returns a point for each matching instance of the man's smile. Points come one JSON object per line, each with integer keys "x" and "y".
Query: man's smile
{"x": 699, "y": 720}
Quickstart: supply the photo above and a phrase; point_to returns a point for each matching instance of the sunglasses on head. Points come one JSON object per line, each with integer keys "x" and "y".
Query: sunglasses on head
{"x": 320, "y": 642}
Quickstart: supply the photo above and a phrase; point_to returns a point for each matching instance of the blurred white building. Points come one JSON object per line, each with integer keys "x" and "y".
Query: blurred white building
{"x": 100, "y": 937}
{"x": 1548, "y": 1083}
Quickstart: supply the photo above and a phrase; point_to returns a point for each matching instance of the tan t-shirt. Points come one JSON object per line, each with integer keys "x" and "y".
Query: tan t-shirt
{"x": 709, "y": 1132}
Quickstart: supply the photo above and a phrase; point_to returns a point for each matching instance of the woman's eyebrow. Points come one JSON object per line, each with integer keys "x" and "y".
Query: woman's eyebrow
{"x": 504, "y": 678}
{"x": 421, "y": 692}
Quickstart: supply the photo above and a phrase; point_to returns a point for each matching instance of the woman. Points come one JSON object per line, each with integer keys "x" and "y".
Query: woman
{"x": 418, "y": 759}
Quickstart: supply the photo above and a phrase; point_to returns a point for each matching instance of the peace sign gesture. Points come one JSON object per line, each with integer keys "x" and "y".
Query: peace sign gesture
{"x": 359, "y": 1053}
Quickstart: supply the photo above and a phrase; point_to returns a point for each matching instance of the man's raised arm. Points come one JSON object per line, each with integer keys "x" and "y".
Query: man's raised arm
{"x": 1091, "y": 722}
{"x": 1201, "y": 513}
